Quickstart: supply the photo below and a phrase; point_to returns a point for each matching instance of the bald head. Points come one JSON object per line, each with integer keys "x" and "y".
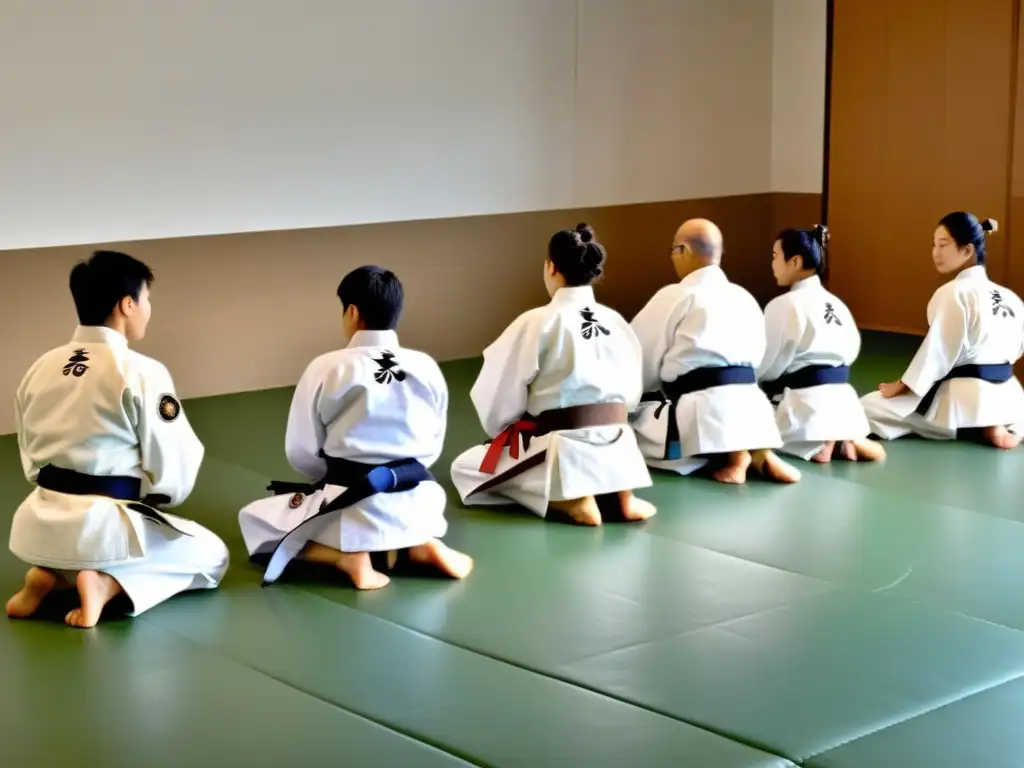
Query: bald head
{"x": 702, "y": 238}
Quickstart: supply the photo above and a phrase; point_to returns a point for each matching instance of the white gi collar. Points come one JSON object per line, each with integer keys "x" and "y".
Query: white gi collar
{"x": 710, "y": 273}
{"x": 808, "y": 282}
{"x": 972, "y": 273}
{"x": 99, "y": 334}
{"x": 580, "y": 294}
{"x": 374, "y": 339}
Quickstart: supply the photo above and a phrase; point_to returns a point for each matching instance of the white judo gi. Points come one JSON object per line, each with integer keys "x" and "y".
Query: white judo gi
{"x": 971, "y": 322}
{"x": 99, "y": 427}
{"x": 372, "y": 402}
{"x": 569, "y": 354}
{"x": 812, "y": 342}
{"x": 695, "y": 334}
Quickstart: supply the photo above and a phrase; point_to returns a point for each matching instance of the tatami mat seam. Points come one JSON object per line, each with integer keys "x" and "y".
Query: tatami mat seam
{"x": 916, "y": 715}
{"x": 565, "y": 681}
{"x": 222, "y": 650}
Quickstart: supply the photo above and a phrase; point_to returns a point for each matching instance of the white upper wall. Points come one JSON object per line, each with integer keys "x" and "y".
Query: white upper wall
{"x": 137, "y": 119}
{"x": 798, "y": 95}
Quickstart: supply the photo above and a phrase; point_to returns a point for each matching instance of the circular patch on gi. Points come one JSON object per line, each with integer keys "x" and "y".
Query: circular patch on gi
{"x": 296, "y": 501}
{"x": 169, "y": 408}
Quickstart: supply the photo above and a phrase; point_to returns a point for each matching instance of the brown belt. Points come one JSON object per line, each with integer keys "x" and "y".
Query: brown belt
{"x": 555, "y": 420}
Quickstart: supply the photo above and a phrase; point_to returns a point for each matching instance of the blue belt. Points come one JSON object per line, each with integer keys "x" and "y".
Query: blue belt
{"x": 360, "y": 480}
{"x": 996, "y": 373}
{"x": 804, "y": 378}
{"x": 119, "y": 487}
{"x": 693, "y": 381}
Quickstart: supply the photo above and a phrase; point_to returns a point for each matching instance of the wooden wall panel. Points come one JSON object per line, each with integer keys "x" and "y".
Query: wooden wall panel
{"x": 920, "y": 125}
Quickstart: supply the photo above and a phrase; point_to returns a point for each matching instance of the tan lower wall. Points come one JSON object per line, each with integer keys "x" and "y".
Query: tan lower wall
{"x": 242, "y": 312}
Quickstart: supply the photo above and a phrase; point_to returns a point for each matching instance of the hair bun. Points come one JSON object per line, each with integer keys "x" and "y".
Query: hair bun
{"x": 821, "y": 234}
{"x": 593, "y": 257}
{"x": 585, "y": 232}
{"x": 990, "y": 225}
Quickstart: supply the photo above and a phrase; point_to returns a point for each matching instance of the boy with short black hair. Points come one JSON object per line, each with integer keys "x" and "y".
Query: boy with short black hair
{"x": 366, "y": 423}
{"x": 104, "y": 438}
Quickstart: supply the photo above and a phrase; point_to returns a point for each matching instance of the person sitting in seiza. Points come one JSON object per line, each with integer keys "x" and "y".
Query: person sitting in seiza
{"x": 960, "y": 383}
{"x": 812, "y": 342}
{"x": 554, "y": 395}
{"x": 104, "y": 439}
{"x": 702, "y": 339}
{"x": 366, "y": 422}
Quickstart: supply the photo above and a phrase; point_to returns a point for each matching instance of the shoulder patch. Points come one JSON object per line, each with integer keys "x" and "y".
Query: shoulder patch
{"x": 296, "y": 501}
{"x": 830, "y": 314}
{"x": 169, "y": 407}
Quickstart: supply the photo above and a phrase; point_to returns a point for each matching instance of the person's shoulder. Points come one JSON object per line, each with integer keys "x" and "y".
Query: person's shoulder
{"x": 135, "y": 364}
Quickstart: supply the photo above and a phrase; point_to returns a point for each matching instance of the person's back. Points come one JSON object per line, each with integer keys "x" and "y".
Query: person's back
{"x": 992, "y": 313}
{"x": 702, "y": 339}
{"x": 365, "y": 424}
{"x": 712, "y": 322}
{"x": 960, "y": 382}
{"x": 822, "y": 330}
{"x": 579, "y": 351}
{"x": 375, "y": 400}
{"x": 561, "y": 379}
{"x": 812, "y": 342}
{"x": 100, "y": 431}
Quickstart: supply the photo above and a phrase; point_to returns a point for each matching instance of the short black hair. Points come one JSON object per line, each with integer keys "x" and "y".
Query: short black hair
{"x": 376, "y": 293}
{"x": 965, "y": 229}
{"x": 811, "y": 245}
{"x": 577, "y": 255}
{"x": 99, "y": 284}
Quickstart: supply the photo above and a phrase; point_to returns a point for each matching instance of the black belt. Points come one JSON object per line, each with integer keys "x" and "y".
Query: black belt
{"x": 693, "y": 381}
{"x": 804, "y": 378}
{"x": 343, "y": 472}
{"x": 996, "y": 373}
{"x": 360, "y": 481}
{"x": 118, "y": 487}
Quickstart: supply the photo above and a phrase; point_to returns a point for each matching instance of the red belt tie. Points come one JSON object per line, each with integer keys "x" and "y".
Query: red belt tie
{"x": 509, "y": 437}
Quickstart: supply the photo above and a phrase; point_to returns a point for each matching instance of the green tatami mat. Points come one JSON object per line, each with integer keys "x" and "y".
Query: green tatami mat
{"x": 130, "y": 696}
{"x": 868, "y": 616}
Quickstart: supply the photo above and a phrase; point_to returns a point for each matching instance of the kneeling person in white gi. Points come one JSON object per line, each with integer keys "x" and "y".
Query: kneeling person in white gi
{"x": 554, "y": 394}
{"x": 702, "y": 340}
{"x": 960, "y": 383}
{"x": 104, "y": 438}
{"x": 812, "y": 342}
{"x": 366, "y": 422}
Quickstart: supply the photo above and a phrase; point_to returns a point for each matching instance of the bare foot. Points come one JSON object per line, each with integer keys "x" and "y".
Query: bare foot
{"x": 38, "y": 584}
{"x": 437, "y": 554}
{"x": 866, "y": 450}
{"x": 583, "y": 511}
{"x": 634, "y": 509}
{"x": 735, "y": 471}
{"x": 95, "y": 590}
{"x": 1001, "y": 437}
{"x": 824, "y": 456}
{"x": 358, "y": 567}
{"x": 771, "y": 467}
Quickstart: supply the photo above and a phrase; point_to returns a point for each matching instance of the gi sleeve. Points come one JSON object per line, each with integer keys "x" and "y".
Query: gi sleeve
{"x": 171, "y": 453}
{"x": 306, "y": 432}
{"x": 942, "y": 346}
{"x": 511, "y": 363}
{"x": 783, "y": 327}
{"x": 655, "y": 326}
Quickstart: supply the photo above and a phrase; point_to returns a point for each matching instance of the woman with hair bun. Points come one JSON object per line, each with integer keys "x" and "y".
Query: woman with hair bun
{"x": 554, "y": 396}
{"x": 960, "y": 383}
{"x": 812, "y": 342}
